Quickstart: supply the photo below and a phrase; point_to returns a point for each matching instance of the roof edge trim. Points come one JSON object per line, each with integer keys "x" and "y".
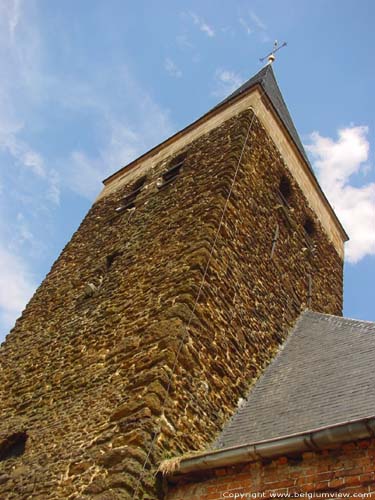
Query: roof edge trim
{"x": 212, "y": 112}
{"x": 215, "y": 111}
{"x": 313, "y": 440}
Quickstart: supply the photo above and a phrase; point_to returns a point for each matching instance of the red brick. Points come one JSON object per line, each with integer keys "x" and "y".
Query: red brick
{"x": 363, "y": 444}
{"x": 366, "y": 478}
{"x": 347, "y": 470}
{"x": 321, "y": 476}
{"x": 352, "y": 480}
{"x": 348, "y": 447}
{"x": 321, "y": 486}
{"x": 221, "y": 472}
{"x": 336, "y": 483}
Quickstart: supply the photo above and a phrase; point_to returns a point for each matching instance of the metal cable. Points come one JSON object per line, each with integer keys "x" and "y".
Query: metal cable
{"x": 203, "y": 281}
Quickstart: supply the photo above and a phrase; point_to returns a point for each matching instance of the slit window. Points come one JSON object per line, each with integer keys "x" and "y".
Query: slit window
{"x": 309, "y": 227}
{"x": 285, "y": 190}
{"x": 111, "y": 258}
{"x": 128, "y": 201}
{"x": 173, "y": 171}
{"x": 13, "y": 446}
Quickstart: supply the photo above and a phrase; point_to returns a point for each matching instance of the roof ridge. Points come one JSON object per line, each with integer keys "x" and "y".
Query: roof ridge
{"x": 339, "y": 319}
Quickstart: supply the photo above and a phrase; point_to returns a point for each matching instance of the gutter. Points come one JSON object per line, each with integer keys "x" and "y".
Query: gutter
{"x": 313, "y": 440}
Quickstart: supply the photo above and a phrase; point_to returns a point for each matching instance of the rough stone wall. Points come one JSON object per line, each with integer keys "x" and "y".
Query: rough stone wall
{"x": 345, "y": 472}
{"x": 86, "y": 377}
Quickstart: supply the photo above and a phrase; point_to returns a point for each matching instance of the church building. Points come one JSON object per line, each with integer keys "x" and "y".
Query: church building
{"x": 188, "y": 343}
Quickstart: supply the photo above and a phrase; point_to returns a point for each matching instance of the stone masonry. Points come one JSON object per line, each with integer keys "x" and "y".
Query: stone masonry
{"x": 84, "y": 372}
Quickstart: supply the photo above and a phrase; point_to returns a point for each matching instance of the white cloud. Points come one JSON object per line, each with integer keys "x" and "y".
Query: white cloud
{"x": 252, "y": 24}
{"x": 19, "y": 149}
{"x": 245, "y": 26}
{"x": 336, "y": 162}
{"x": 226, "y": 82}
{"x": 19, "y": 87}
{"x": 30, "y": 182}
{"x": 122, "y": 144}
{"x": 10, "y": 12}
{"x": 258, "y": 22}
{"x": 183, "y": 41}
{"x": 16, "y": 287}
{"x": 172, "y": 68}
{"x": 202, "y": 25}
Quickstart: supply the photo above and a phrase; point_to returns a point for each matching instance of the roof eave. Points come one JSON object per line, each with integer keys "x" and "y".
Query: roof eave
{"x": 317, "y": 439}
{"x": 216, "y": 110}
{"x": 309, "y": 170}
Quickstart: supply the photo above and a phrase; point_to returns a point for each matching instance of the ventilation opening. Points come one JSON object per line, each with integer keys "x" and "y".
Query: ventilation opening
{"x": 285, "y": 190}
{"x": 128, "y": 202}
{"x": 309, "y": 227}
{"x": 109, "y": 260}
{"x": 173, "y": 171}
{"x": 13, "y": 446}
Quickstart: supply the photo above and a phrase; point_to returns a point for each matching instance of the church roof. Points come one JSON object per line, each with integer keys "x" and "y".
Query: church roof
{"x": 266, "y": 78}
{"x": 322, "y": 376}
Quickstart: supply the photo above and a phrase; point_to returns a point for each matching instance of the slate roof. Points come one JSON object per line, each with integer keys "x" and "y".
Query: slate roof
{"x": 266, "y": 78}
{"x": 323, "y": 375}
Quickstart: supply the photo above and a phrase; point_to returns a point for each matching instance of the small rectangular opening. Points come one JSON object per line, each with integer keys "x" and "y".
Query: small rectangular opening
{"x": 173, "y": 171}
{"x": 128, "y": 201}
{"x": 285, "y": 191}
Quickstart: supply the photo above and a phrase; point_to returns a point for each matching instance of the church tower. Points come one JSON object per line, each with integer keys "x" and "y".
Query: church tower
{"x": 175, "y": 292}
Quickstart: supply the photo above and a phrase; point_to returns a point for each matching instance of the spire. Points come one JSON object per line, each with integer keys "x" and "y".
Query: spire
{"x": 266, "y": 79}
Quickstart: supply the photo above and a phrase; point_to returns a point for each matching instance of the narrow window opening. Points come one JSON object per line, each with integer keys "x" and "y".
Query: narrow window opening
{"x": 309, "y": 227}
{"x": 128, "y": 202}
{"x": 111, "y": 258}
{"x": 285, "y": 190}
{"x": 173, "y": 171}
{"x": 13, "y": 446}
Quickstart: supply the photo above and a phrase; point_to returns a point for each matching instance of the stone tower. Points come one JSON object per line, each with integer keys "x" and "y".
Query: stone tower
{"x": 179, "y": 285}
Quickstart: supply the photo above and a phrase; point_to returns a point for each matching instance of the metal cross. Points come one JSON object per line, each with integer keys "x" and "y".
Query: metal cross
{"x": 271, "y": 55}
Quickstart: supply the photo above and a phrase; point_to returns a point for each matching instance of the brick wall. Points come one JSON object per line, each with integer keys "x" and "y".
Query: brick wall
{"x": 348, "y": 470}
{"x": 86, "y": 376}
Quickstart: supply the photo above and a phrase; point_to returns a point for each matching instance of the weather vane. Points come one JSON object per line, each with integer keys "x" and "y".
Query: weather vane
{"x": 271, "y": 56}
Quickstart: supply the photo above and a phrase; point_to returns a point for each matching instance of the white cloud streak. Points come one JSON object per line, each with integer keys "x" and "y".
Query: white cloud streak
{"x": 123, "y": 143}
{"x": 336, "y": 163}
{"x": 226, "y": 82}
{"x": 20, "y": 150}
{"x": 16, "y": 287}
{"x": 245, "y": 26}
{"x": 253, "y": 24}
{"x": 30, "y": 181}
{"x": 171, "y": 68}
{"x": 202, "y": 25}
{"x": 258, "y": 22}
{"x": 10, "y": 12}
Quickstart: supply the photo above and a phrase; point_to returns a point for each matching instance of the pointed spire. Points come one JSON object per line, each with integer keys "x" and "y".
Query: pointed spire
{"x": 266, "y": 78}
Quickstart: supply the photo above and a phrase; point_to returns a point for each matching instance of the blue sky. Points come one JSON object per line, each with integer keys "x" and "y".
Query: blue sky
{"x": 87, "y": 86}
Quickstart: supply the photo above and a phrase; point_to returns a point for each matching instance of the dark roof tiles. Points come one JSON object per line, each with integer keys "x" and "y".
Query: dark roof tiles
{"x": 323, "y": 375}
{"x": 266, "y": 78}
